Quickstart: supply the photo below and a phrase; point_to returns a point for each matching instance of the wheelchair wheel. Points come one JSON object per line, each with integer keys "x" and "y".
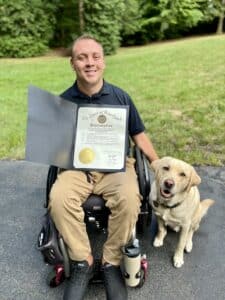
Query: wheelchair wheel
{"x": 55, "y": 277}
{"x": 144, "y": 220}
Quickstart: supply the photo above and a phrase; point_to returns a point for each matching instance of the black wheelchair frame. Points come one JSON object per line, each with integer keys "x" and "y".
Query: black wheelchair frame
{"x": 51, "y": 243}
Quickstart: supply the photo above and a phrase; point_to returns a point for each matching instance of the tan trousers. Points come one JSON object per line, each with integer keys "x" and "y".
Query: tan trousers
{"x": 121, "y": 193}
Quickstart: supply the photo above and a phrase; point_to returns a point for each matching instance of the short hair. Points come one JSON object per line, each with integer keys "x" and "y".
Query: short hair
{"x": 86, "y": 36}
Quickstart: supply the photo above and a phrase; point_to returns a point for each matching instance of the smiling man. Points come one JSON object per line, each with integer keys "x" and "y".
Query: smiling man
{"x": 88, "y": 63}
{"x": 119, "y": 189}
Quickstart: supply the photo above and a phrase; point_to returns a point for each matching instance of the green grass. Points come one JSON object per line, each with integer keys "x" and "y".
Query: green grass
{"x": 178, "y": 87}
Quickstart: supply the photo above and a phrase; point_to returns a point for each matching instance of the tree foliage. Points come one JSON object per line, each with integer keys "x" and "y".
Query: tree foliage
{"x": 67, "y": 26}
{"x": 172, "y": 16}
{"x": 102, "y": 19}
{"x": 131, "y": 22}
{"x": 26, "y": 27}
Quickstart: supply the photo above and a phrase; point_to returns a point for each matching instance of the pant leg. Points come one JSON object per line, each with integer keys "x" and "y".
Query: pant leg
{"x": 121, "y": 193}
{"x": 68, "y": 193}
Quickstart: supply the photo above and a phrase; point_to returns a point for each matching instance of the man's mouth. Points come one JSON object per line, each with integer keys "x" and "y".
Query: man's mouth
{"x": 90, "y": 71}
{"x": 165, "y": 193}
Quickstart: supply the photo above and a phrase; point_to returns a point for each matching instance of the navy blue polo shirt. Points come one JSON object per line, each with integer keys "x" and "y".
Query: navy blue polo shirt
{"x": 109, "y": 95}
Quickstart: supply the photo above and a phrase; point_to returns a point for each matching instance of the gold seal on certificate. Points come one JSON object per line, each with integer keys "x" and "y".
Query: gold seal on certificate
{"x": 86, "y": 156}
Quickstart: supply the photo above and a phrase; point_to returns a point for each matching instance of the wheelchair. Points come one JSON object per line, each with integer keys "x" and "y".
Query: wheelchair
{"x": 51, "y": 243}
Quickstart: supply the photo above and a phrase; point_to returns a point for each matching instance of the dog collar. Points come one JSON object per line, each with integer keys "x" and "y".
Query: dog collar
{"x": 156, "y": 204}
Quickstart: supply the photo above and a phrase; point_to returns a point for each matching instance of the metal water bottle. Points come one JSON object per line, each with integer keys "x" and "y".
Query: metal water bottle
{"x": 132, "y": 263}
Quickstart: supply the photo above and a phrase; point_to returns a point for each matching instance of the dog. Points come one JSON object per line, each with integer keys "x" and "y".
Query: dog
{"x": 175, "y": 199}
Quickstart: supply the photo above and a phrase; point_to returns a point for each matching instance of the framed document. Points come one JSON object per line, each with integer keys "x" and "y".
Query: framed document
{"x": 75, "y": 136}
{"x": 101, "y": 138}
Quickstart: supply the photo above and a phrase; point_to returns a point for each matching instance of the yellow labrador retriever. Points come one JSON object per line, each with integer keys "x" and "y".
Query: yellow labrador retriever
{"x": 176, "y": 202}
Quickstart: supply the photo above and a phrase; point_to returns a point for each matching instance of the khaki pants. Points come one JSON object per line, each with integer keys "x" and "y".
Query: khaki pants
{"x": 121, "y": 193}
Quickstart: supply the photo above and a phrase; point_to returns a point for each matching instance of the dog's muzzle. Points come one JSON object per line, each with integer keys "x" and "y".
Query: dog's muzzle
{"x": 165, "y": 191}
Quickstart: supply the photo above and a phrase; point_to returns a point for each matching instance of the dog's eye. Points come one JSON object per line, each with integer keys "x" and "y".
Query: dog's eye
{"x": 166, "y": 168}
{"x": 182, "y": 174}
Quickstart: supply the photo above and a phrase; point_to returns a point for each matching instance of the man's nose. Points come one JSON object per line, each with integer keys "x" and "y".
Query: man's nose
{"x": 90, "y": 61}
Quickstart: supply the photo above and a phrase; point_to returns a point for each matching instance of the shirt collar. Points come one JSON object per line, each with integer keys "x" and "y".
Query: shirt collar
{"x": 77, "y": 93}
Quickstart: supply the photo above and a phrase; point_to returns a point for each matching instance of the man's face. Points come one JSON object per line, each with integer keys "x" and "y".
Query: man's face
{"x": 88, "y": 62}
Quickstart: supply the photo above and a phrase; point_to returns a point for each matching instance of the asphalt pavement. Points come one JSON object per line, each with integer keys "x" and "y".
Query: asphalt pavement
{"x": 23, "y": 272}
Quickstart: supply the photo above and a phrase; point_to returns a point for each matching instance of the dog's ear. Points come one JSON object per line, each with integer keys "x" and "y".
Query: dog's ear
{"x": 155, "y": 164}
{"x": 194, "y": 179}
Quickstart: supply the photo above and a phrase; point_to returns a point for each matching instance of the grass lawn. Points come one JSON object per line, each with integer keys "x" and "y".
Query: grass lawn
{"x": 178, "y": 87}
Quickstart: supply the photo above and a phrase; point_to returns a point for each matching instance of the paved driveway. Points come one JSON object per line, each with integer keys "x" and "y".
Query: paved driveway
{"x": 23, "y": 273}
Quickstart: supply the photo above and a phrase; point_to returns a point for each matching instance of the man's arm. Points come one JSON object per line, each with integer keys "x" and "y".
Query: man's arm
{"x": 144, "y": 143}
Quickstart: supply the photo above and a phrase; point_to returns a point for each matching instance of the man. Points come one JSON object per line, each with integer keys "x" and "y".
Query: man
{"x": 119, "y": 189}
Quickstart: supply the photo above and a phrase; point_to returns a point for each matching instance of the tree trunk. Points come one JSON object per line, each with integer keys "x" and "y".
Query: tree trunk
{"x": 81, "y": 15}
{"x": 221, "y": 19}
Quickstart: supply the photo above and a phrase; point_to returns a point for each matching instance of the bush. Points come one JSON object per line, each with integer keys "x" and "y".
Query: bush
{"x": 26, "y": 27}
{"x": 22, "y": 46}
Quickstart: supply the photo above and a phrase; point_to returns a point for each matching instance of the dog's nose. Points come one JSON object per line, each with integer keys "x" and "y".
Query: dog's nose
{"x": 169, "y": 183}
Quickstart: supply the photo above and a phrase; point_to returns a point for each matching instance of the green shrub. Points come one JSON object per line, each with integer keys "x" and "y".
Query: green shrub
{"x": 26, "y": 27}
{"x": 22, "y": 46}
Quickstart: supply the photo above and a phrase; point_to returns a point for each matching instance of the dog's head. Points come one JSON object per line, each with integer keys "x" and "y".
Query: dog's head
{"x": 173, "y": 177}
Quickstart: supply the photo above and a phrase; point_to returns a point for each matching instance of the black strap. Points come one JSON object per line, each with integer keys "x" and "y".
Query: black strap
{"x": 88, "y": 174}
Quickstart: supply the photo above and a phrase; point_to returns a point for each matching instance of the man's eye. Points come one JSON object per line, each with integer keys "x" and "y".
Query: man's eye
{"x": 80, "y": 57}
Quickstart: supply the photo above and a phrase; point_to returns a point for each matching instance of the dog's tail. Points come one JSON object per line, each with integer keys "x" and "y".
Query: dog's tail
{"x": 205, "y": 205}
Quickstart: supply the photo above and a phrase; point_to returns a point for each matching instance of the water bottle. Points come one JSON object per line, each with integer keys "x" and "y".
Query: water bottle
{"x": 132, "y": 263}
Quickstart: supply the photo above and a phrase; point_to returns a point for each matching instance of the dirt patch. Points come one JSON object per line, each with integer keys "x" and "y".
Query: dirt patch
{"x": 63, "y": 52}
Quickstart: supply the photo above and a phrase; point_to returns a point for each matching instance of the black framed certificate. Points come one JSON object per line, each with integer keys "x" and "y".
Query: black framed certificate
{"x": 100, "y": 137}
{"x": 72, "y": 136}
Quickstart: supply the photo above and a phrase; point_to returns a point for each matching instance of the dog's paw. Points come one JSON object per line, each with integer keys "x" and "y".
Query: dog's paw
{"x": 157, "y": 242}
{"x": 188, "y": 246}
{"x": 178, "y": 261}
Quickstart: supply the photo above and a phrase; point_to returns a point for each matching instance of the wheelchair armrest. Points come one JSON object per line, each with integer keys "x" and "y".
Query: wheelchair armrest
{"x": 143, "y": 172}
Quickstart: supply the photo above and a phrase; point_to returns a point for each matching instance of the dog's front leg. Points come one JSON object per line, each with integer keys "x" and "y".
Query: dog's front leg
{"x": 178, "y": 259}
{"x": 162, "y": 231}
{"x": 189, "y": 244}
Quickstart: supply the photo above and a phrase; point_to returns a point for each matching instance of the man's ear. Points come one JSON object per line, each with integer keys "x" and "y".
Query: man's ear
{"x": 72, "y": 64}
{"x": 194, "y": 179}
